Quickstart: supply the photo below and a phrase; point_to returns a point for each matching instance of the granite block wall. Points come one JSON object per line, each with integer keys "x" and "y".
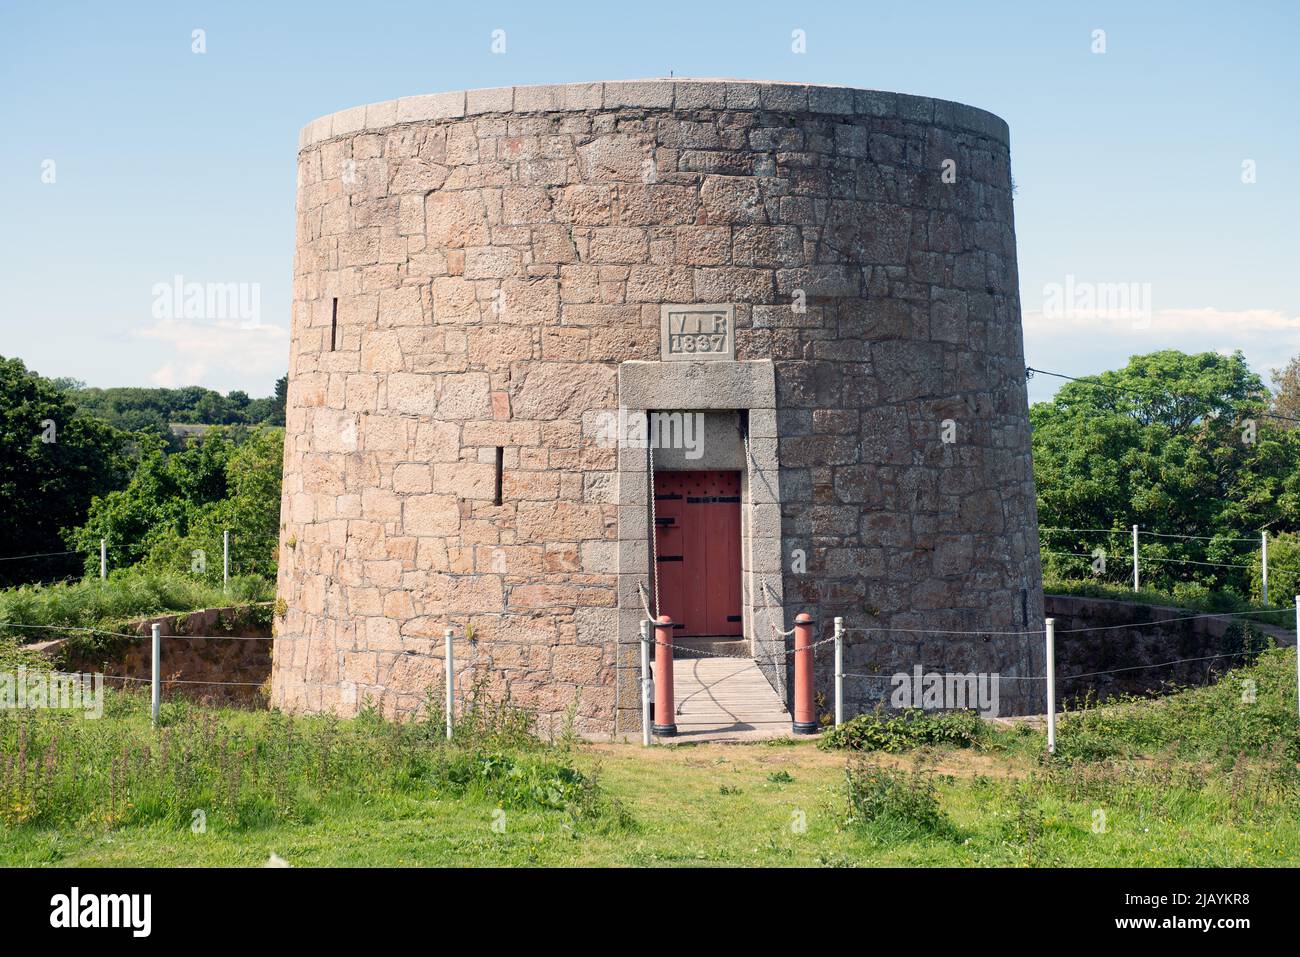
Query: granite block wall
{"x": 473, "y": 269}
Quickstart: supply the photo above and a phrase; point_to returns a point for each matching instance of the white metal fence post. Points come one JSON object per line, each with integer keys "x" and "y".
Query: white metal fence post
{"x": 449, "y": 663}
{"x": 103, "y": 558}
{"x": 225, "y": 558}
{"x": 1051, "y": 685}
{"x": 1135, "y": 558}
{"x": 1263, "y": 558}
{"x": 647, "y": 684}
{"x": 839, "y": 672}
{"x": 155, "y": 672}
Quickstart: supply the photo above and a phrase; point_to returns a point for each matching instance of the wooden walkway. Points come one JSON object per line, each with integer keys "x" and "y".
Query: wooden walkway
{"x": 725, "y": 699}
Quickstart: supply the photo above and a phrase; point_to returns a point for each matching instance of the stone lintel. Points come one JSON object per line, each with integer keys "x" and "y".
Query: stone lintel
{"x": 744, "y": 384}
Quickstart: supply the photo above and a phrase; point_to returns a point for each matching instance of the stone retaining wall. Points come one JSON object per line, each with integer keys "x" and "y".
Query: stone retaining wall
{"x": 1164, "y": 634}
{"x": 237, "y": 668}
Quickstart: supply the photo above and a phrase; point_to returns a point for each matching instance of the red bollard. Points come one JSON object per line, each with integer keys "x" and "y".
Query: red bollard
{"x": 805, "y": 709}
{"x": 664, "y": 725}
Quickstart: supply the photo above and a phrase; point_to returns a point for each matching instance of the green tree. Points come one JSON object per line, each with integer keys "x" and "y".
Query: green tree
{"x": 154, "y": 410}
{"x": 281, "y": 398}
{"x": 1283, "y": 571}
{"x": 1286, "y": 394}
{"x": 173, "y": 512}
{"x": 163, "y": 494}
{"x": 1177, "y": 444}
{"x": 53, "y": 462}
{"x": 250, "y": 510}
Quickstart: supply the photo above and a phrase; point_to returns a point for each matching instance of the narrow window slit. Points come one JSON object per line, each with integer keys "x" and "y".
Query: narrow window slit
{"x": 334, "y": 325}
{"x": 501, "y": 457}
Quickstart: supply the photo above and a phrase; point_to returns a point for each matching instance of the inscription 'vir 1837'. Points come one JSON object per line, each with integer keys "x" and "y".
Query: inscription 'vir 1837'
{"x": 697, "y": 332}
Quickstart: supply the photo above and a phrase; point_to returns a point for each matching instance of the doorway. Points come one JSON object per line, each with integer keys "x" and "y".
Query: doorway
{"x": 697, "y": 546}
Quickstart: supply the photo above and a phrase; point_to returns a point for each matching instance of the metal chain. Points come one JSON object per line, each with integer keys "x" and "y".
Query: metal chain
{"x": 717, "y": 654}
{"x": 1086, "y": 674}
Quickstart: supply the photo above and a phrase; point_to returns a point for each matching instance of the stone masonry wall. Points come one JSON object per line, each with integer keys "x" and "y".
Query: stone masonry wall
{"x": 471, "y": 269}
{"x": 236, "y": 659}
{"x": 1161, "y": 634}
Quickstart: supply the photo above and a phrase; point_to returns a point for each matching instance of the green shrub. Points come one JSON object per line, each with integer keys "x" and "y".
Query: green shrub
{"x": 1248, "y": 711}
{"x": 1283, "y": 570}
{"x": 484, "y": 721}
{"x": 904, "y": 730}
{"x": 515, "y": 781}
{"x": 894, "y": 805}
{"x": 13, "y": 655}
{"x": 1193, "y": 596}
{"x": 128, "y": 595}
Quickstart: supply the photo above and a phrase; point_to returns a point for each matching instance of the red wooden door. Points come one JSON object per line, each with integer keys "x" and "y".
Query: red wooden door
{"x": 698, "y": 547}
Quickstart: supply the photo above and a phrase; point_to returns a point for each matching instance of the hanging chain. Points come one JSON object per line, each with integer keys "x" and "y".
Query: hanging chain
{"x": 771, "y": 659}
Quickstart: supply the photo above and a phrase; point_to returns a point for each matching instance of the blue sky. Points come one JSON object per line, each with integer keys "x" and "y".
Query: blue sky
{"x": 1128, "y": 163}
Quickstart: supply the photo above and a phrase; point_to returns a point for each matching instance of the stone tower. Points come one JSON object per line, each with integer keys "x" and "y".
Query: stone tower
{"x": 823, "y": 277}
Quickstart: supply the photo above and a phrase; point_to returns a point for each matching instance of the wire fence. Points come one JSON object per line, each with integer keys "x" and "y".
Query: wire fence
{"x": 200, "y": 560}
{"x": 803, "y": 651}
{"x": 14, "y": 558}
{"x": 1223, "y": 557}
{"x": 805, "y": 648}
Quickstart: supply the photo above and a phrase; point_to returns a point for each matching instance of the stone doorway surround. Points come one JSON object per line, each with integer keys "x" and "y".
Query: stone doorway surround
{"x": 745, "y": 386}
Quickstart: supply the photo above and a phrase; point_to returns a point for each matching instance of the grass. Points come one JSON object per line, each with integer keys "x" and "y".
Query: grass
{"x": 1205, "y": 777}
{"x": 1250, "y": 712}
{"x": 127, "y": 595}
{"x": 1191, "y": 597}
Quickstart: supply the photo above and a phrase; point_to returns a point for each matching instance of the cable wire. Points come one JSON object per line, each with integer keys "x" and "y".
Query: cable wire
{"x": 13, "y": 558}
{"x": 1121, "y": 390}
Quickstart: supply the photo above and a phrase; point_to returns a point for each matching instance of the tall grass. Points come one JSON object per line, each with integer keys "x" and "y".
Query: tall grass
{"x": 1226, "y": 754}
{"x": 1249, "y": 711}
{"x": 235, "y": 771}
{"x": 128, "y": 594}
{"x": 894, "y": 805}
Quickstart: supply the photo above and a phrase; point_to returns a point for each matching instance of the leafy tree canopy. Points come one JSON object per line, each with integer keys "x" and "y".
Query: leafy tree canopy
{"x": 173, "y": 512}
{"x": 53, "y": 461}
{"x": 1286, "y": 393}
{"x": 1174, "y": 443}
{"x": 154, "y": 410}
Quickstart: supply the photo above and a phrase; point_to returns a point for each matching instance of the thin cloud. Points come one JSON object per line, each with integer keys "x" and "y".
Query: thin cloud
{"x": 1087, "y": 344}
{"x": 214, "y": 354}
{"x": 1206, "y": 320}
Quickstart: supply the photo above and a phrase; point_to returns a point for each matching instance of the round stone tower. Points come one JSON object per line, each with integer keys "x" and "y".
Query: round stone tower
{"x": 524, "y": 317}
